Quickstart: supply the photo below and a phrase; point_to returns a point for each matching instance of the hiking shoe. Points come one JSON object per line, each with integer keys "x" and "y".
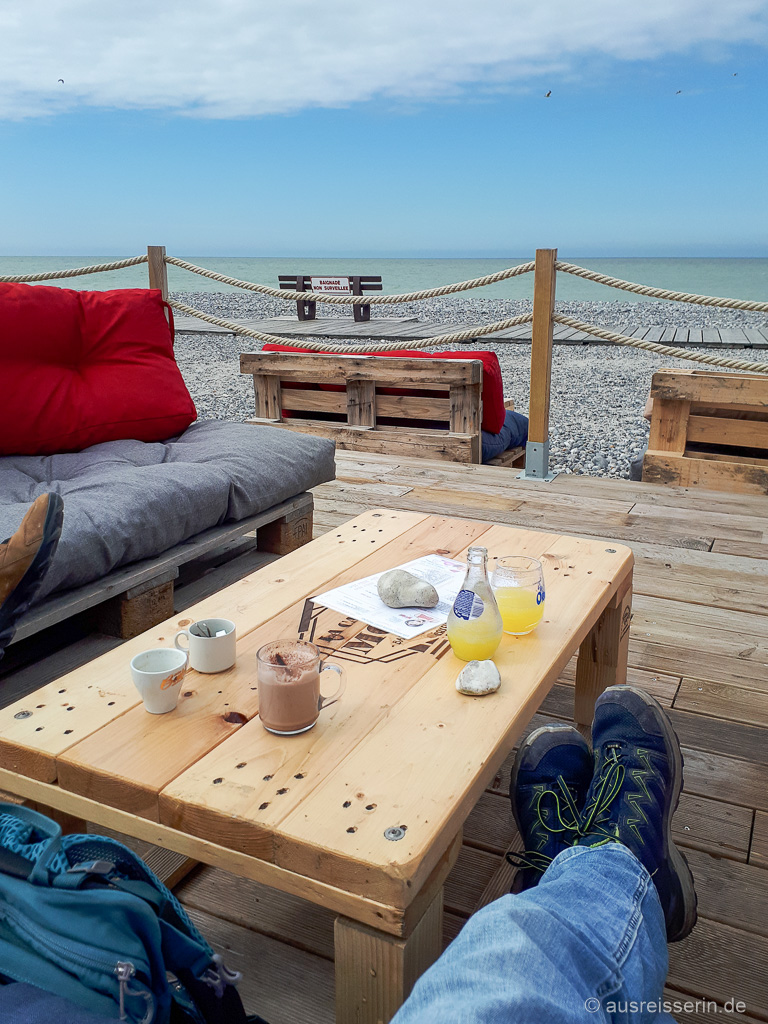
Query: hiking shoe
{"x": 550, "y": 779}
{"x": 634, "y": 793}
{"x": 24, "y": 560}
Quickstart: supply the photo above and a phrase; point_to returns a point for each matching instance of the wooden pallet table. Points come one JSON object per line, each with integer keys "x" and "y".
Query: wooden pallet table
{"x": 311, "y": 815}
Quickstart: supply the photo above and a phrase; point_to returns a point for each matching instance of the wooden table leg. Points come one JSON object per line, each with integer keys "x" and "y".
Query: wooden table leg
{"x": 603, "y": 653}
{"x": 375, "y": 972}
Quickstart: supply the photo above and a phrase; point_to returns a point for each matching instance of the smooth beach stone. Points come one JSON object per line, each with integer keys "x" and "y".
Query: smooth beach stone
{"x": 400, "y": 589}
{"x": 478, "y": 678}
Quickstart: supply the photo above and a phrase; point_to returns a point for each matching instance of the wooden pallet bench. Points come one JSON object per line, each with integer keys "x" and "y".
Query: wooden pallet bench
{"x": 709, "y": 429}
{"x": 136, "y": 597}
{"x": 350, "y": 284}
{"x": 401, "y": 406}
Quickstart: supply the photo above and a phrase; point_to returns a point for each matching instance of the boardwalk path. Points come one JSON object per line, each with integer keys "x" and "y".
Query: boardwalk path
{"x": 408, "y": 328}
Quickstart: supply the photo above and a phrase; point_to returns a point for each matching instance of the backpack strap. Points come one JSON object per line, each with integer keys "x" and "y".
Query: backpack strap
{"x": 48, "y": 831}
{"x": 14, "y": 864}
{"x": 46, "y": 827}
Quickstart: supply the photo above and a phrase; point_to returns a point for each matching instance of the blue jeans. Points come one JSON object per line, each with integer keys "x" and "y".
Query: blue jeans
{"x": 587, "y": 944}
{"x": 513, "y": 434}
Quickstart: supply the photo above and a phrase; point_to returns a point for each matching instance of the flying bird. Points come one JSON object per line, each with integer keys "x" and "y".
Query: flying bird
{"x": 548, "y": 94}
{"x": 679, "y": 91}
{"x": 62, "y": 81}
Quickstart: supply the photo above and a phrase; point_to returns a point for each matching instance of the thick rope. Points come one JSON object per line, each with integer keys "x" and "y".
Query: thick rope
{"x": 56, "y": 275}
{"x": 428, "y": 293}
{"x": 660, "y": 293}
{"x": 665, "y": 350}
{"x": 384, "y": 346}
{"x": 355, "y": 300}
{"x": 469, "y": 335}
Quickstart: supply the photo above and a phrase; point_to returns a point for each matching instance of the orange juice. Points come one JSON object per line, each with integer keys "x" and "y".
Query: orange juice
{"x": 520, "y": 612}
{"x": 474, "y": 624}
{"x": 475, "y": 640}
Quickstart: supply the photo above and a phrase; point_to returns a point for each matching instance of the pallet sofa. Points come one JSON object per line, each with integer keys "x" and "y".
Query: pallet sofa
{"x": 95, "y": 408}
{"x": 709, "y": 429}
{"x": 404, "y": 403}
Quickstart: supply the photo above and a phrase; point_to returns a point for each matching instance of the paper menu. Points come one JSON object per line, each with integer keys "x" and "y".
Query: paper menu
{"x": 360, "y": 599}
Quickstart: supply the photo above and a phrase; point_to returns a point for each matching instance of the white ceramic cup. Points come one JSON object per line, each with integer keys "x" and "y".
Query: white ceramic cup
{"x": 158, "y": 675}
{"x": 209, "y": 653}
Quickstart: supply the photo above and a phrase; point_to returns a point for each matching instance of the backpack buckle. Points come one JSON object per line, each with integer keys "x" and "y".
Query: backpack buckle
{"x": 92, "y": 867}
{"x": 219, "y": 976}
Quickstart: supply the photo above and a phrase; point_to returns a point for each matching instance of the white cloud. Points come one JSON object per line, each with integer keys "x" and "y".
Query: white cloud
{"x": 235, "y": 58}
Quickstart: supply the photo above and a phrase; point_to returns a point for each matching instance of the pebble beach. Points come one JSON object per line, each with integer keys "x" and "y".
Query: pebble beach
{"x": 598, "y": 390}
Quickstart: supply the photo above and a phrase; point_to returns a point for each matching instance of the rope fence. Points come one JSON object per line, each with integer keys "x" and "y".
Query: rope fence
{"x": 543, "y": 318}
{"x": 356, "y": 300}
{"x": 417, "y": 296}
{"x": 452, "y": 338}
{"x": 660, "y": 293}
{"x": 455, "y": 338}
{"x": 468, "y": 336}
{"x": 664, "y": 350}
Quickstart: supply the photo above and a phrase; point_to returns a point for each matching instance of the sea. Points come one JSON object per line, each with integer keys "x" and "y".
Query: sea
{"x": 735, "y": 277}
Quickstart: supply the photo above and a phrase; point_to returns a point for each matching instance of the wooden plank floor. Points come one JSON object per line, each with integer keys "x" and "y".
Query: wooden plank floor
{"x": 394, "y": 328}
{"x": 699, "y": 643}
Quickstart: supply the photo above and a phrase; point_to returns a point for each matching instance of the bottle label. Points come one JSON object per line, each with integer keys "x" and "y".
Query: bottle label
{"x": 539, "y": 593}
{"x": 468, "y": 605}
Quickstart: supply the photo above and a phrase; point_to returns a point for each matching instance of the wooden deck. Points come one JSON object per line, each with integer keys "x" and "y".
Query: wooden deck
{"x": 410, "y": 328}
{"x": 699, "y": 643}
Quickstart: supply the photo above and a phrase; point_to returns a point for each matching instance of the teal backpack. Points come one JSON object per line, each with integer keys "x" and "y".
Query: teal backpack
{"x": 83, "y": 917}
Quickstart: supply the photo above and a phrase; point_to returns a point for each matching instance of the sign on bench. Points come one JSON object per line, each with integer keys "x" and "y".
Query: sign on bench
{"x": 330, "y": 285}
{"x": 350, "y": 284}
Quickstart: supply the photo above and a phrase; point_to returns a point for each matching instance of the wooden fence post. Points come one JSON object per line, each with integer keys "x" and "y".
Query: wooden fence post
{"x": 158, "y": 270}
{"x": 537, "y": 448}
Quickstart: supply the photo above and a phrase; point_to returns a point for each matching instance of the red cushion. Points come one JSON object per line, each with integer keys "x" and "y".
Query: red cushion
{"x": 493, "y": 387}
{"x": 79, "y": 368}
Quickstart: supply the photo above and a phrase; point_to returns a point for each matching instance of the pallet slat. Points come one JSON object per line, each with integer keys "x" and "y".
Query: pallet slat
{"x": 399, "y": 372}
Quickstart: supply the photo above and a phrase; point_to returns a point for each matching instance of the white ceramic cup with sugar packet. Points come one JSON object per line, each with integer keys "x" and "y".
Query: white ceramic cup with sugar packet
{"x": 211, "y": 643}
{"x": 157, "y": 675}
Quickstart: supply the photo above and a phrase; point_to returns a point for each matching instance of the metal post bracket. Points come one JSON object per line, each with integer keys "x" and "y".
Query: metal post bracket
{"x": 537, "y": 462}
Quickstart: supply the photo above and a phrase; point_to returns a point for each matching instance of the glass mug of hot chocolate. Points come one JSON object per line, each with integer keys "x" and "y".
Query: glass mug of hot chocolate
{"x": 289, "y": 673}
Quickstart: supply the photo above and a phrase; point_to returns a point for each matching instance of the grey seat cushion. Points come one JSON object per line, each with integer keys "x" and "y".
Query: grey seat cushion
{"x": 128, "y": 500}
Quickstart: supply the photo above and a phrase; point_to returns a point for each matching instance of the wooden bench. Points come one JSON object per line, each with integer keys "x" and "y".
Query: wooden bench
{"x": 350, "y": 284}
{"x": 351, "y": 399}
{"x": 133, "y": 598}
{"x": 710, "y": 430}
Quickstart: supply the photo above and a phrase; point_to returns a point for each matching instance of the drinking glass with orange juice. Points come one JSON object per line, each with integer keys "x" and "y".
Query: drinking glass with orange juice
{"x": 518, "y": 586}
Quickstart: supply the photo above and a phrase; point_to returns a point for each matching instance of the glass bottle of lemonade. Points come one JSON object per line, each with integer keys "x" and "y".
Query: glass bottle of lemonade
{"x": 474, "y": 622}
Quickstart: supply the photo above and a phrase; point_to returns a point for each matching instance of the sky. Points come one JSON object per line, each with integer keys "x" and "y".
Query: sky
{"x": 401, "y": 128}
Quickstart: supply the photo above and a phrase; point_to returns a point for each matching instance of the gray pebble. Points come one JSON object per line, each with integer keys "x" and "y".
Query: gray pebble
{"x": 401, "y": 589}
